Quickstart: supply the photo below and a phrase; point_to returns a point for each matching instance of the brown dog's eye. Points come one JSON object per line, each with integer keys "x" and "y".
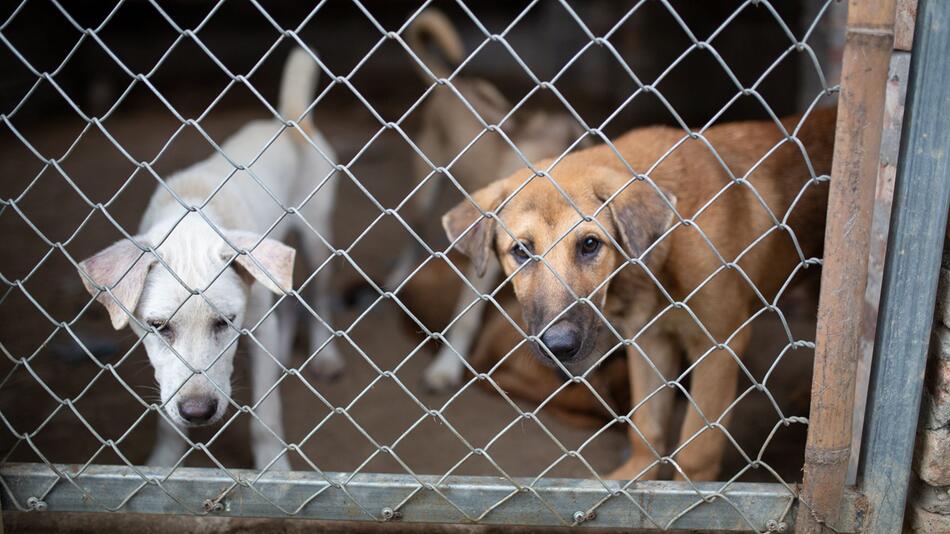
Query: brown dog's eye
{"x": 519, "y": 251}
{"x": 589, "y": 246}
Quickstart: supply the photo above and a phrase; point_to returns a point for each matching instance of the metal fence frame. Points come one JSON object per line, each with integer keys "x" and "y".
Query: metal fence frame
{"x": 486, "y": 500}
{"x": 915, "y": 245}
{"x": 876, "y": 505}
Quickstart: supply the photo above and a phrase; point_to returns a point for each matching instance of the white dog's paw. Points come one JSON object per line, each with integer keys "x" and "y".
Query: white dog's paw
{"x": 169, "y": 446}
{"x": 265, "y": 453}
{"x": 445, "y": 372}
{"x": 281, "y": 464}
{"x": 327, "y": 365}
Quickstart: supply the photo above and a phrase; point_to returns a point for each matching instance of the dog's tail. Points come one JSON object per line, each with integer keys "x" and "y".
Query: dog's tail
{"x": 433, "y": 38}
{"x": 297, "y": 85}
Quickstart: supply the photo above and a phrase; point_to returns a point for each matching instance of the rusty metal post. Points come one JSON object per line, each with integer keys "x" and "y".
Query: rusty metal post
{"x": 868, "y": 44}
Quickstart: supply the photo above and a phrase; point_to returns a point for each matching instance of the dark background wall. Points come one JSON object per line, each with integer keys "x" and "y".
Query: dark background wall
{"x": 649, "y": 40}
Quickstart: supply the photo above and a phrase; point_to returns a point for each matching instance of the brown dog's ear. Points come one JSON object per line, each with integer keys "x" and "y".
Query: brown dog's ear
{"x": 639, "y": 213}
{"x": 477, "y": 243}
{"x": 275, "y": 257}
{"x": 123, "y": 269}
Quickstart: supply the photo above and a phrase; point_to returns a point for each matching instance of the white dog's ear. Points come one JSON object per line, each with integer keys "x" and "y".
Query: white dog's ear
{"x": 275, "y": 257}
{"x": 122, "y": 268}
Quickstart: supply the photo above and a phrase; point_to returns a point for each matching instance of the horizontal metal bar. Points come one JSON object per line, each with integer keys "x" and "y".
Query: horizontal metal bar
{"x": 381, "y": 497}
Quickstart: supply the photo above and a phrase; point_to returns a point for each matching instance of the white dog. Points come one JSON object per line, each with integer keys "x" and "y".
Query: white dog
{"x": 205, "y": 264}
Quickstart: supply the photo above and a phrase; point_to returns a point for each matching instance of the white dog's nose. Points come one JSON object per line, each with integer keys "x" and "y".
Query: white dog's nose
{"x": 197, "y": 410}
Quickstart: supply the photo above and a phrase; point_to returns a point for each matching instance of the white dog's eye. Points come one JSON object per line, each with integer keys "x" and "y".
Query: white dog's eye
{"x": 222, "y": 323}
{"x": 161, "y": 326}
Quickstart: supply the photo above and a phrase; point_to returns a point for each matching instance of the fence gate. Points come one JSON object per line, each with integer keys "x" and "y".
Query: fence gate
{"x": 55, "y": 365}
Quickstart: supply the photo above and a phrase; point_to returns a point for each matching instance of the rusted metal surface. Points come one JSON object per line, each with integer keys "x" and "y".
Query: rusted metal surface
{"x": 867, "y": 53}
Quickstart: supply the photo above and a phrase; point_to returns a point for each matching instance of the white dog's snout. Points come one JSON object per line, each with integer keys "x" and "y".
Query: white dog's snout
{"x": 198, "y": 402}
{"x": 198, "y": 410}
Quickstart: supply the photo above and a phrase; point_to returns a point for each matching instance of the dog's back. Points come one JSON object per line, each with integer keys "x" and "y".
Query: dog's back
{"x": 781, "y": 177}
{"x": 738, "y": 185}
{"x": 257, "y": 161}
{"x": 773, "y": 217}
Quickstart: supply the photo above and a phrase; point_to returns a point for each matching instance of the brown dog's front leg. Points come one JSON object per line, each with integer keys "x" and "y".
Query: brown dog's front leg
{"x": 712, "y": 389}
{"x": 652, "y": 403}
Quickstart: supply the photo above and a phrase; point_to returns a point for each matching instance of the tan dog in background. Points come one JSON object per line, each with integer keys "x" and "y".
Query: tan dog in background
{"x": 679, "y": 293}
{"x": 448, "y": 128}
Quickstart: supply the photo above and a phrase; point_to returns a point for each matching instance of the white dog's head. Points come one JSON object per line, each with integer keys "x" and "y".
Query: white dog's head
{"x": 183, "y": 329}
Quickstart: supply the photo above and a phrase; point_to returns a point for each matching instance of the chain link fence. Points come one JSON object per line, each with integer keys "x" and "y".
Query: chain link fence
{"x": 279, "y": 179}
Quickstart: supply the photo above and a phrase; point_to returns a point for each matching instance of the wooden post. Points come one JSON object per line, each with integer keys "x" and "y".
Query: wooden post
{"x": 868, "y": 44}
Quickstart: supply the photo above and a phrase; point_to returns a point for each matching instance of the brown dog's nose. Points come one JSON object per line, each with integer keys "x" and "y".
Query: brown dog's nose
{"x": 563, "y": 340}
{"x": 197, "y": 410}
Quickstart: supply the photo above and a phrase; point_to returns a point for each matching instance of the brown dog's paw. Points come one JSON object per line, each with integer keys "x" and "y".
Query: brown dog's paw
{"x": 637, "y": 467}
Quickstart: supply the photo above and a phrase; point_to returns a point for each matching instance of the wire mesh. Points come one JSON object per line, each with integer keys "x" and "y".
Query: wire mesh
{"x": 258, "y": 335}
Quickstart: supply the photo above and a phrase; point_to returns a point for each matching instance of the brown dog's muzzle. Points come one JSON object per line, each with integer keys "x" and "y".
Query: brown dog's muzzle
{"x": 563, "y": 339}
{"x": 568, "y": 339}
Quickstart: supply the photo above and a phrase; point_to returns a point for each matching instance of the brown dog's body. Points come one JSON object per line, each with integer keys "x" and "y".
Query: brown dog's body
{"x": 683, "y": 305}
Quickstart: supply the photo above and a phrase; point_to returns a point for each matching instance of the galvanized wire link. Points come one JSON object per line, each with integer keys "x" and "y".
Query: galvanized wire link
{"x": 701, "y": 495}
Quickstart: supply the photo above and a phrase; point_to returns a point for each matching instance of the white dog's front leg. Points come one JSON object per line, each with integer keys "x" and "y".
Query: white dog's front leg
{"x": 265, "y": 372}
{"x": 169, "y": 447}
{"x": 447, "y": 369}
{"x": 328, "y": 364}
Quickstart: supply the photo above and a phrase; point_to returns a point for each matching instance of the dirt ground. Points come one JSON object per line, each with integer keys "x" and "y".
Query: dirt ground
{"x": 48, "y": 291}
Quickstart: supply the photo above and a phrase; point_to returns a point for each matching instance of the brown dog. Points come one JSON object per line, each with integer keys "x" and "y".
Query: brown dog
{"x": 672, "y": 263}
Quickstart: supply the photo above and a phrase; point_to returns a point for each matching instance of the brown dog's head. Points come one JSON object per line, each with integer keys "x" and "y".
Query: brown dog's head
{"x": 558, "y": 294}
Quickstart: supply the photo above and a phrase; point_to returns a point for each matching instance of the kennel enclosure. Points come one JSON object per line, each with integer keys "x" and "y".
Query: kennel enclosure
{"x": 825, "y": 499}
